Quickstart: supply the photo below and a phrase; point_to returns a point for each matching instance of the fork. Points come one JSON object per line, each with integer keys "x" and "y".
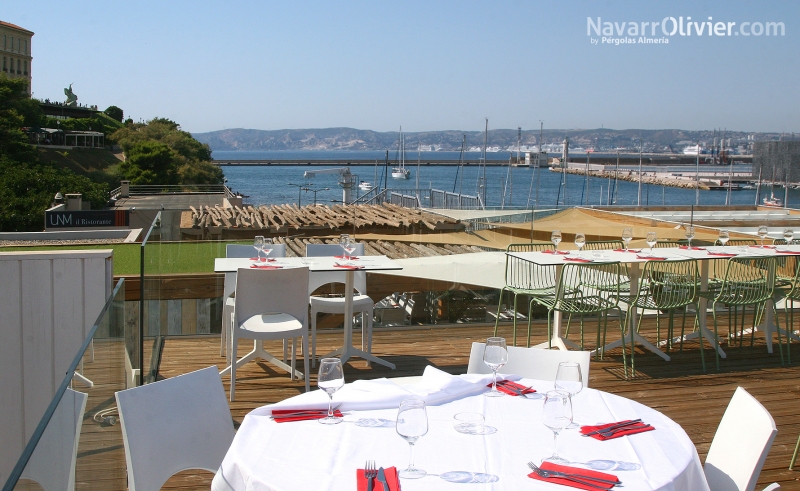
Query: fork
{"x": 581, "y": 479}
{"x": 370, "y": 472}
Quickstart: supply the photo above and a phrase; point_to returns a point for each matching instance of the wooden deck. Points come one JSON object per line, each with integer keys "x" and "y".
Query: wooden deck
{"x": 679, "y": 389}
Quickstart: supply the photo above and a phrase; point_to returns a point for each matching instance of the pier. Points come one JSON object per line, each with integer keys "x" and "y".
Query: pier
{"x": 352, "y": 162}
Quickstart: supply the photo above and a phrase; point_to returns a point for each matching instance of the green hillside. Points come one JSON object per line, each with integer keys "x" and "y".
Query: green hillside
{"x": 96, "y": 163}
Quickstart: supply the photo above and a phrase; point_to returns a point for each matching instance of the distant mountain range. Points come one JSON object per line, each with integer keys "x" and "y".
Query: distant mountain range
{"x": 601, "y": 140}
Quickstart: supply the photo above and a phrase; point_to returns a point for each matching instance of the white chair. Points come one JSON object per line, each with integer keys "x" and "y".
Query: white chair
{"x": 269, "y": 305}
{"x": 536, "y": 363}
{"x": 52, "y": 463}
{"x": 239, "y": 250}
{"x": 362, "y": 303}
{"x": 173, "y": 425}
{"x": 740, "y": 445}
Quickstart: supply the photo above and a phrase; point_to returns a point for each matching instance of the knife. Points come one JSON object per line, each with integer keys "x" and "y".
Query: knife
{"x": 625, "y": 428}
{"x": 382, "y": 479}
{"x": 613, "y": 427}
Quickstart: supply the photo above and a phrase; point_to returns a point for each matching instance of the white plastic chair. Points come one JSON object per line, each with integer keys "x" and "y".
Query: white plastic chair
{"x": 362, "y": 303}
{"x": 740, "y": 445}
{"x": 173, "y": 425}
{"x": 536, "y": 363}
{"x": 239, "y": 250}
{"x": 52, "y": 464}
{"x": 269, "y": 305}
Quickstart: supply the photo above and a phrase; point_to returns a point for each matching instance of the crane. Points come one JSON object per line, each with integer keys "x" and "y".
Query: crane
{"x": 347, "y": 181}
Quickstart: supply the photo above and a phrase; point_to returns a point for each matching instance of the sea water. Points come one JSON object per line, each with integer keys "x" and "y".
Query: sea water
{"x": 517, "y": 187}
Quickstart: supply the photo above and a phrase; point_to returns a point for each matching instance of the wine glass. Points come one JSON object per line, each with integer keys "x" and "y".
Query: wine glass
{"x": 495, "y": 355}
{"x": 788, "y": 236}
{"x": 723, "y": 238}
{"x": 412, "y": 423}
{"x": 689, "y": 235}
{"x": 762, "y": 232}
{"x": 349, "y": 248}
{"x": 569, "y": 380}
{"x": 344, "y": 240}
{"x": 555, "y": 238}
{"x": 267, "y": 247}
{"x": 627, "y": 235}
{"x": 258, "y": 243}
{"x": 556, "y": 415}
{"x": 580, "y": 241}
{"x": 651, "y": 241}
{"x": 330, "y": 379}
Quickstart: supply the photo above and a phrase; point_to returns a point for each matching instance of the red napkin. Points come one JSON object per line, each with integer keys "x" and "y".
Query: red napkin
{"x": 345, "y": 257}
{"x": 391, "y": 478}
{"x": 577, "y": 259}
{"x": 651, "y": 258}
{"x": 257, "y": 259}
{"x": 765, "y": 247}
{"x": 629, "y": 250}
{"x": 548, "y": 251}
{"x": 687, "y": 248}
{"x": 627, "y": 430}
{"x": 265, "y": 266}
{"x": 723, "y": 254}
{"x": 309, "y": 414}
{"x": 549, "y": 466}
{"x": 504, "y": 385}
{"x": 347, "y": 266}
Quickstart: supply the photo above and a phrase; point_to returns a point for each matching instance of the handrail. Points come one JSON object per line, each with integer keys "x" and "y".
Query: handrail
{"x": 16, "y": 473}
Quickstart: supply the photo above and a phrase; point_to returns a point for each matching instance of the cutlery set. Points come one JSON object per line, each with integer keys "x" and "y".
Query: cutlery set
{"x": 582, "y": 479}
{"x": 635, "y": 424}
{"x": 371, "y": 473}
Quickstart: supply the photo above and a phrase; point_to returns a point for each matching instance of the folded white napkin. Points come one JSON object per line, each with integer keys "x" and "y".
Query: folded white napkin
{"x": 436, "y": 387}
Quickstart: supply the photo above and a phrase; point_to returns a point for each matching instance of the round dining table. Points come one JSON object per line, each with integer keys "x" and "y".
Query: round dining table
{"x": 306, "y": 455}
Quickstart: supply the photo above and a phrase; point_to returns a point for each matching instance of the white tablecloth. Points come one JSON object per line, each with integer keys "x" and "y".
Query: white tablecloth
{"x": 306, "y": 455}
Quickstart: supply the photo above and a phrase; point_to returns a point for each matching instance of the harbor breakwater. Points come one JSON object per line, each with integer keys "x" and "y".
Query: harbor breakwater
{"x": 653, "y": 178}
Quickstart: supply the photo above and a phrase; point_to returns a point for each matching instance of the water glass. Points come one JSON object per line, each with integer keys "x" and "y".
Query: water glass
{"x": 627, "y": 236}
{"x": 344, "y": 242}
{"x": 267, "y": 247}
{"x": 651, "y": 241}
{"x": 556, "y": 415}
{"x": 723, "y": 238}
{"x": 570, "y": 380}
{"x": 762, "y": 232}
{"x": 330, "y": 379}
{"x": 469, "y": 423}
{"x": 788, "y": 236}
{"x": 495, "y": 355}
{"x": 689, "y": 235}
{"x": 412, "y": 423}
{"x": 555, "y": 238}
{"x": 258, "y": 244}
{"x": 580, "y": 241}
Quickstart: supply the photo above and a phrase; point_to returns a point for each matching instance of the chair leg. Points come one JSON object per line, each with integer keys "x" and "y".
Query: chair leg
{"x": 305, "y": 362}
{"x": 499, "y": 304}
{"x": 313, "y": 338}
{"x": 716, "y": 336}
{"x": 233, "y": 366}
{"x": 294, "y": 358}
{"x": 794, "y": 456}
{"x": 515, "y": 320}
{"x": 622, "y": 325}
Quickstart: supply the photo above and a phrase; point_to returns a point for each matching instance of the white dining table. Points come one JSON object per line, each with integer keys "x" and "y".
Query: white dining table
{"x": 230, "y": 266}
{"x": 634, "y": 260}
{"x": 266, "y": 455}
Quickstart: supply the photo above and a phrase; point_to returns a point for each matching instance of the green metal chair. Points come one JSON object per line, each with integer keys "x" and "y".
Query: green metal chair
{"x": 525, "y": 278}
{"x": 748, "y": 281}
{"x": 787, "y": 288}
{"x": 578, "y": 293}
{"x": 665, "y": 286}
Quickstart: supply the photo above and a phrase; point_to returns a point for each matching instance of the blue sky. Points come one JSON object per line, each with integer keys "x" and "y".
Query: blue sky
{"x": 425, "y": 65}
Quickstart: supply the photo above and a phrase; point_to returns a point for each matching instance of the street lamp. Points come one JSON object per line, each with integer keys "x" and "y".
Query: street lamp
{"x": 299, "y": 190}
{"x": 315, "y": 191}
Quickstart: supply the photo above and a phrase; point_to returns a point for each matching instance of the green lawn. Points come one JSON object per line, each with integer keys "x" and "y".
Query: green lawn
{"x": 169, "y": 257}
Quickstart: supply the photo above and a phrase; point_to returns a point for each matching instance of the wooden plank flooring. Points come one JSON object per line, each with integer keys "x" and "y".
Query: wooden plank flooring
{"x": 679, "y": 389}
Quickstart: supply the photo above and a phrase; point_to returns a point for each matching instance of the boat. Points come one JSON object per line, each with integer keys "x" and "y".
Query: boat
{"x": 365, "y": 186}
{"x": 400, "y": 172}
{"x": 773, "y": 202}
{"x": 692, "y": 150}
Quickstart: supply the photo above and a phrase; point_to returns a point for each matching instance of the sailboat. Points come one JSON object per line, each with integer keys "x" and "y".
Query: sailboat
{"x": 772, "y": 201}
{"x": 400, "y": 172}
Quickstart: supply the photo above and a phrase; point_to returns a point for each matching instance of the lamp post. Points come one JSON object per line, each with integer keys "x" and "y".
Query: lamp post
{"x": 299, "y": 190}
{"x": 315, "y": 191}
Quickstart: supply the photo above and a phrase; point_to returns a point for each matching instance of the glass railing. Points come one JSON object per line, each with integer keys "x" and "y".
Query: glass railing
{"x": 78, "y": 439}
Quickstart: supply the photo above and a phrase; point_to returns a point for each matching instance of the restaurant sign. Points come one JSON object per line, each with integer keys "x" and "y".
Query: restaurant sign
{"x": 87, "y": 218}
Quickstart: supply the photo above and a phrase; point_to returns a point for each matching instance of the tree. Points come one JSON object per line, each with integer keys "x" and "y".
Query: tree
{"x": 114, "y": 113}
{"x": 15, "y": 109}
{"x": 150, "y": 162}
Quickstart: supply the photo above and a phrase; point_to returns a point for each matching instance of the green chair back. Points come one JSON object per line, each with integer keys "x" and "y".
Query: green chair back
{"x": 668, "y": 284}
{"x": 748, "y": 280}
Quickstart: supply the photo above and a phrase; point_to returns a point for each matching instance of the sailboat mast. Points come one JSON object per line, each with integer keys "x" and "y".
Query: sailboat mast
{"x": 485, "y": 141}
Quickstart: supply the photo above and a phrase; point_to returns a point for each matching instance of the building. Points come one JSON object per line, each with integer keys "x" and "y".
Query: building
{"x": 16, "y": 47}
